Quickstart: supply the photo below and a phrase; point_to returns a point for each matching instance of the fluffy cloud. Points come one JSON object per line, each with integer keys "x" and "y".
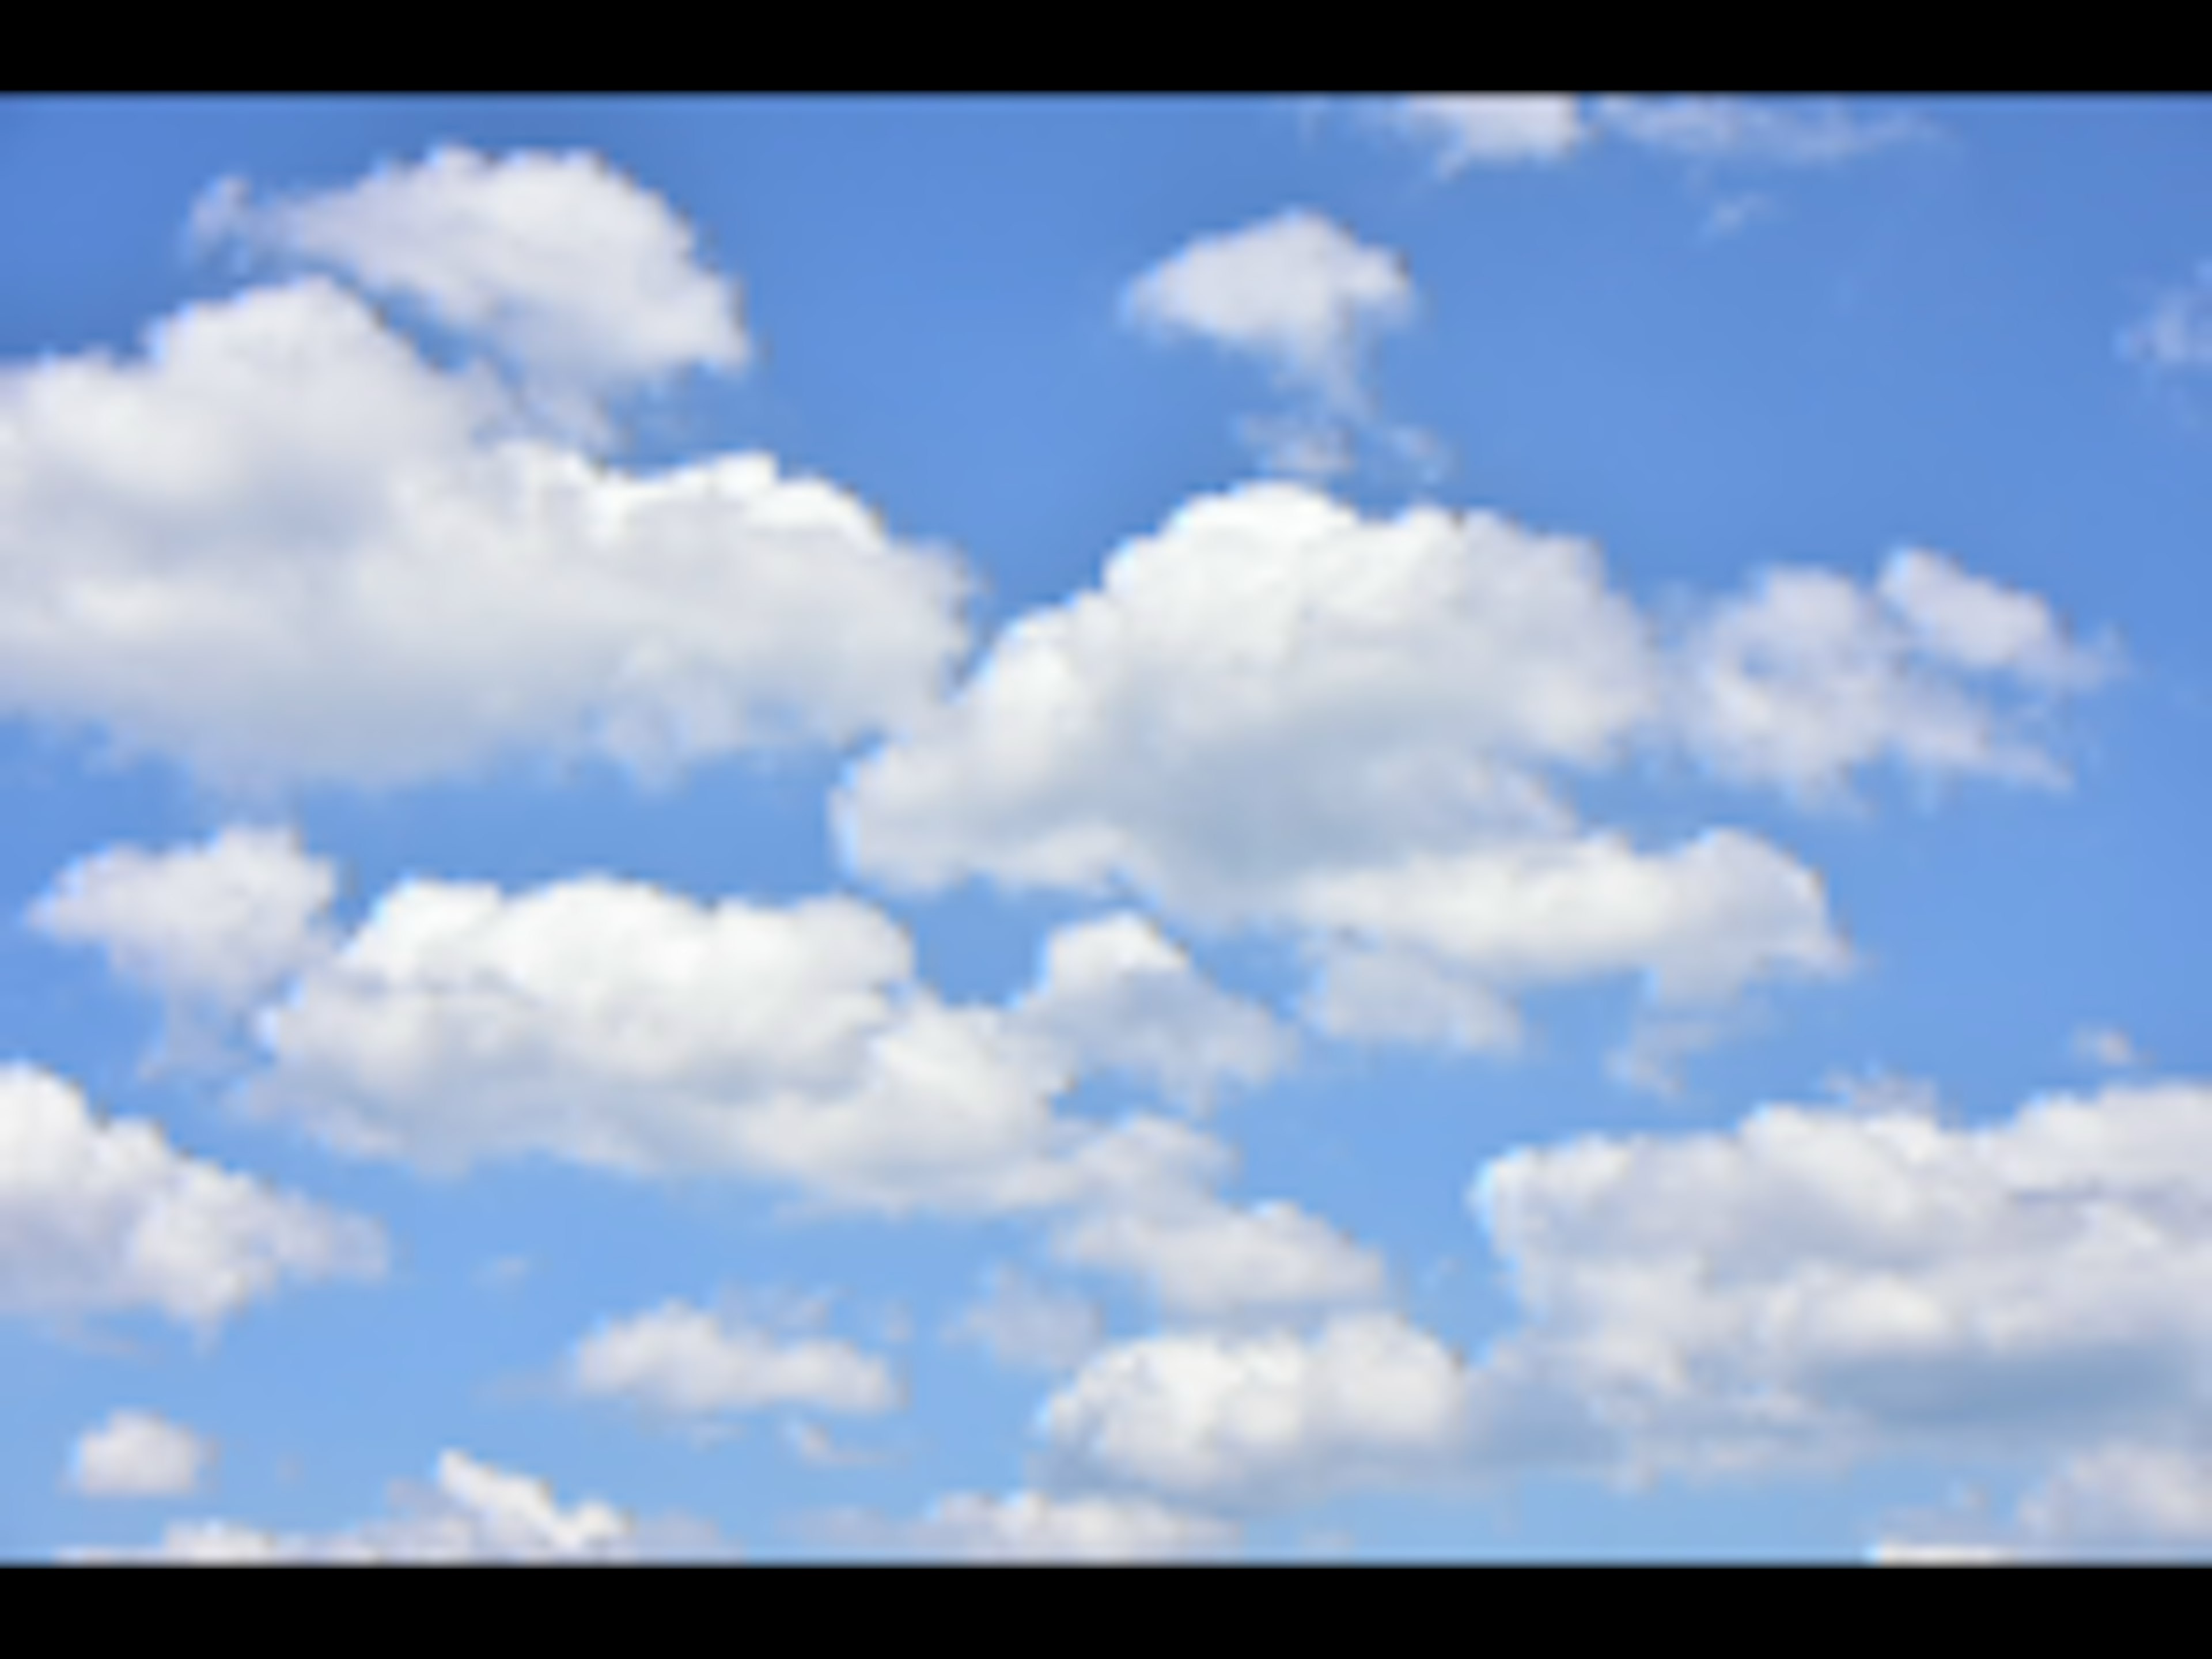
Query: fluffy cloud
{"x": 2121, "y": 1499}
{"x": 1114, "y": 993}
{"x": 688, "y": 1362}
{"x": 137, "y": 1455}
{"x": 1203, "y": 1259}
{"x": 1464, "y": 130}
{"x": 1824, "y": 1283}
{"x": 217, "y": 926}
{"x": 1302, "y": 297}
{"x": 1269, "y": 684}
{"x": 280, "y": 546}
{"x": 1276, "y": 711}
{"x": 585, "y": 280}
{"x": 474, "y": 1511}
{"x": 1702, "y": 920}
{"x": 1297, "y": 291}
{"x": 617, "y": 1024}
{"x": 1030, "y": 1526}
{"x": 1373, "y": 994}
{"x": 1266, "y": 1418}
{"x": 98, "y": 1216}
{"x": 1024, "y": 1324}
{"x": 1809, "y": 677}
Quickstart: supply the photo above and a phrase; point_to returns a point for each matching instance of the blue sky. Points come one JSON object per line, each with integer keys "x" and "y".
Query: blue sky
{"x": 1445, "y": 827}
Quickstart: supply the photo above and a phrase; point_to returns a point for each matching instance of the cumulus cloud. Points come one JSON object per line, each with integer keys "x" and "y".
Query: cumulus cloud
{"x": 473, "y": 1511}
{"x": 583, "y": 279}
{"x": 1021, "y": 1323}
{"x": 1263, "y": 1418}
{"x": 1032, "y": 1526}
{"x": 135, "y": 1454}
{"x": 1268, "y": 684}
{"x": 1391, "y": 994}
{"x": 1304, "y": 298}
{"x": 100, "y": 1216}
{"x": 616, "y": 1025}
{"x": 686, "y": 1361}
{"x": 211, "y": 929}
{"x": 1809, "y": 677}
{"x": 1204, "y": 1259}
{"x": 2121, "y": 1499}
{"x": 1276, "y": 713}
{"x": 1114, "y": 993}
{"x": 1486, "y": 129}
{"x": 280, "y": 546}
{"x": 1823, "y": 1283}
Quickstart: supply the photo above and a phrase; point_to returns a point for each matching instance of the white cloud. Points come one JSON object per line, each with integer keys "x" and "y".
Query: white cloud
{"x": 1815, "y": 1284}
{"x": 1977, "y": 624}
{"x": 1297, "y": 290}
{"x": 616, "y": 1025}
{"x": 475, "y": 1511}
{"x": 581, "y": 277}
{"x": 1702, "y": 920}
{"x": 1808, "y": 677}
{"x": 98, "y": 1216}
{"x": 1116, "y": 994}
{"x": 1276, "y": 713}
{"x": 689, "y": 1362}
{"x": 2121, "y": 1499}
{"x": 279, "y": 546}
{"x": 1206, "y": 1260}
{"x": 1463, "y": 129}
{"x": 134, "y": 1454}
{"x": 1393, "y": 994}
{"x": 2176, "y": 333}
{"x": 1265, "y": 1418}
{"x": 1031, "y": 1526}
{"x": 211, "y": 928}
{"x": 1021, "y": 1323}
{"x": 1269, "y": 685}
{"x": 1304, "y": 298}
{"x": 1802, "y": 133}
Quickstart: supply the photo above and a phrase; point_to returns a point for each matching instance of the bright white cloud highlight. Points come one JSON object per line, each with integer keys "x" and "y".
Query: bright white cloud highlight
{"x": 1116, "y": 994}
{"x": 279, "y": 546}
{"x": 98, "y": 1216}
{"x": 1298, "y": 291}
{"x": 582, "y": 277}
{"x": 1808, "y": 677}
{"x": 616, "y": 1025}
{"x": 1278, "y": 712}
{"x": 474, "y": 1511}
{"x": 688, "y": 1362}
{"x": 1488, "y": 129}
{"x": 1302, "y": 297}
{"x": 1205, "y": 1259}
{"x": 1264, "y": 1418}
{"x": 1821, "y": 1284}
{"x": 134, "y": 1454}
{"x": 219, "y": 924}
